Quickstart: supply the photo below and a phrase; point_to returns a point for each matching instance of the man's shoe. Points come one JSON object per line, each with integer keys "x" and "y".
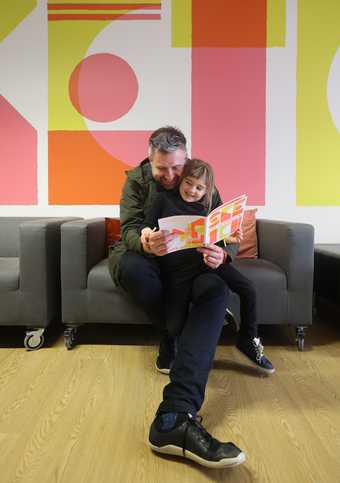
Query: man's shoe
{"x": 190, "y": 440}
{"x": 252, "y": 349}
{"x": 163, "y": 364}
{"x": 166, "y": 355}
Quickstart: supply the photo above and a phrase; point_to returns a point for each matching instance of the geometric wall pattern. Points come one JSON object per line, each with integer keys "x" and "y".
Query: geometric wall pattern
{"x": 118, "y": 70}
{"x": 87, "y": 166}
{"x": 228, "y": 106}
{"x": 318, "y": 103}
{"x": 18, "y": 139}
{"x": 18, "y": 157}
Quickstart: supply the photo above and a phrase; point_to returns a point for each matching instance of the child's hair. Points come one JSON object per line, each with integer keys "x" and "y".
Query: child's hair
{"x": 196, "y": 168}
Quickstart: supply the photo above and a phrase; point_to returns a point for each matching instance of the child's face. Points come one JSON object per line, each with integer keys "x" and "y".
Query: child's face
{"x": 192, "y": 189}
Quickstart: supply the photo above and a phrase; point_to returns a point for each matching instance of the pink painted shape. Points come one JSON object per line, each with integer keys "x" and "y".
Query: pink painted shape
{"x": 103, "y": 87}
{"x": 128, "y": 146}
{"x": 18, "y": 158}
{"x": 228, "y": 118}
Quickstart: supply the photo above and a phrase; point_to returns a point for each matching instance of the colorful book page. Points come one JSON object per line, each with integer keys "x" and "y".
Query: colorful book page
{"x": 189, "y": 231}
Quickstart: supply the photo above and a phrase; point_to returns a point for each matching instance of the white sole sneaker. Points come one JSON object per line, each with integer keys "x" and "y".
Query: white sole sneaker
{"x": 162, "y": 371}
{"x": 268, "y": 372}
{"x": 176, "y": 451}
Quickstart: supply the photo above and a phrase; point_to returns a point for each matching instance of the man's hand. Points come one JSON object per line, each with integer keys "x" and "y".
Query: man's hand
{"x": 144, "y": 238}
{"x": 213, "y": 255}
{"x": 155, "y": 242}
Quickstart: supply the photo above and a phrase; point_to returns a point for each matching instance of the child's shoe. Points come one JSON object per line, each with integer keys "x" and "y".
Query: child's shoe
{"x": 252, "y": 349}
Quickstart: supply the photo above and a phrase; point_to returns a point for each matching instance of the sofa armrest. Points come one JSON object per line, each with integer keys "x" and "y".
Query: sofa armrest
{"x": 82, "y": 247}
{"x": 291, "y": 247}
{"x": 39, "y": 267}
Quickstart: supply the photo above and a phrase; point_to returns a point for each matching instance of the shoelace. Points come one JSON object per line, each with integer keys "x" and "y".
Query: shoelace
{"x": 197, "y": 423}
{"x": 258, "y": 348}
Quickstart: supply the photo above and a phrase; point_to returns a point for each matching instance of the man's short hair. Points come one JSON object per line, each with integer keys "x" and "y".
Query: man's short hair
{"x": 167, "y": 140}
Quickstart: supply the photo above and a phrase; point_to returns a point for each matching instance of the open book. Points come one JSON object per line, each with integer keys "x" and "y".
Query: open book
{"x": 195, "y": 231}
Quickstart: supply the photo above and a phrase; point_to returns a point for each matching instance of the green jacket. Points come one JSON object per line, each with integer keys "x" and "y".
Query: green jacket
{"x": 138, "y": 193}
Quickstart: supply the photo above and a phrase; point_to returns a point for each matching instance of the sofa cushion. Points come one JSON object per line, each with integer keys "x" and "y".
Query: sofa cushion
{"x": 248, "y": 245}
{"x": 99, "y": 277}
{"x": 271, "y": 289}
{"x": 9, "y": 273}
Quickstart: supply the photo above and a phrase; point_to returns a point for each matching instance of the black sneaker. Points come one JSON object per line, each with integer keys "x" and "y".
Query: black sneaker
{"x": 163, "y": 364}
{"x": 190, "y": 440}
{"x": 252, "y": 349}
{"x": 166, "y": 355}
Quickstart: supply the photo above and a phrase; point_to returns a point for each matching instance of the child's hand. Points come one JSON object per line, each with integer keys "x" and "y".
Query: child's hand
{"x": 235, "y": 237}
{"x": 213, "y": 255}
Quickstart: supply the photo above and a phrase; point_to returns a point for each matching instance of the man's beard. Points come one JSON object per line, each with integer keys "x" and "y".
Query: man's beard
{"x": 171, "y": 185}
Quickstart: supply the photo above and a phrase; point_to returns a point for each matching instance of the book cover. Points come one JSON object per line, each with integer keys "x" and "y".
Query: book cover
{"x": 195, "y": 231}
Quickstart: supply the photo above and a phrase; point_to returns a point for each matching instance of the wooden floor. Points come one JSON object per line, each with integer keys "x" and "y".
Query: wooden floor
{"x": 84, "y": 415}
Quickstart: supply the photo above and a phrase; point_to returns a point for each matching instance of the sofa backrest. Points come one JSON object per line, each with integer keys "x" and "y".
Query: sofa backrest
{"x": 9, "y": 234}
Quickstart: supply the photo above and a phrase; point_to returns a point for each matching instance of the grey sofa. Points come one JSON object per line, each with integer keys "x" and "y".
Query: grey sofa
{"x": 30, "y": 274}
{"x": 283, "y": 276}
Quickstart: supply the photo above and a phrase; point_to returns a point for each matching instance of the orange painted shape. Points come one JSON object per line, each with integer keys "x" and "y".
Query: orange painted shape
{"x": 225, "y": 216}
{"x": 229, "y": 23}
{"x": 81, "y": 172}
{"x": 235, "y": 225}
{"x": 194, "y": 227}
{"x": 214, "y": 219}
{"x": 238, "y": 211}
{"x": 213, "y": 236}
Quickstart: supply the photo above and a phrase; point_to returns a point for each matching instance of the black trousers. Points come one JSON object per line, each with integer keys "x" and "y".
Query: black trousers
{"x": 178, "y": 295}
{"x": 196, "y": 346}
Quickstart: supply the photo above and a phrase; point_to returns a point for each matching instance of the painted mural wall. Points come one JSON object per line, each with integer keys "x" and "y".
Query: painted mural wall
{"x": 254, "y": 85}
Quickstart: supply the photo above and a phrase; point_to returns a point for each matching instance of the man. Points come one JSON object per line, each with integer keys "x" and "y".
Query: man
{"x": 133, "y": 265}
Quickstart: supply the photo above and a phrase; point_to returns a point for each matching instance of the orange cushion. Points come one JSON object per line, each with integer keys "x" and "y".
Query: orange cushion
{"x": 248, "y": 246}
{"x": 112, "y": 226}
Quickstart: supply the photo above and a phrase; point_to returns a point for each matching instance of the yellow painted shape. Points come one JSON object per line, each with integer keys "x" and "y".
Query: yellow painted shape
{"x": 12, "y": 12}
{"x": 318, "y": 141}
{"x": 68, "y": 44}
{"x": 276, "y": 23}
{"x": 181, "y": 23}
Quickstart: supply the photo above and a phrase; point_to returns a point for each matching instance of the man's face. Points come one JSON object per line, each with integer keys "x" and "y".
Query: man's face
{"x": 168, "y": 167}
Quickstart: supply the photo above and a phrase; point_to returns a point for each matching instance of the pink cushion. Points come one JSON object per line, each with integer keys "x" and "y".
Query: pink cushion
{"x": 248, "y": 246}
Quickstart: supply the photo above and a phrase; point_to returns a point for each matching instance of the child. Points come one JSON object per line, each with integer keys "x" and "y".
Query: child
{"x": 194, "y": 197}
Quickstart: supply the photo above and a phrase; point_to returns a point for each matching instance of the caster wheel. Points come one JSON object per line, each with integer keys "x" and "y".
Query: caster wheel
{"x": 33, "y": 341}
{"x": 70, "y": 337}
{"x": 301, "y": 343}
{"x": 300, "y": 337}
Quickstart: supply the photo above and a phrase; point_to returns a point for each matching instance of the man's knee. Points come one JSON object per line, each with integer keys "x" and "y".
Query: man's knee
{"x": 140, "y": 274}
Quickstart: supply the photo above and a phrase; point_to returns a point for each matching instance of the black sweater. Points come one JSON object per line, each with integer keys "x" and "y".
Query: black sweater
{"x": 182, "y": 264}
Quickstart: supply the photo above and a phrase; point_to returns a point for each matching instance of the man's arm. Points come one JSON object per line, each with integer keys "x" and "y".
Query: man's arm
{"x": 132, "y": 214}
{"x": 153, "y": 213}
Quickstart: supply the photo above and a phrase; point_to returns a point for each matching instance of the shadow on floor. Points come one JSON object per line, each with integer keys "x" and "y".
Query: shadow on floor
{"x": 323, "y": 331}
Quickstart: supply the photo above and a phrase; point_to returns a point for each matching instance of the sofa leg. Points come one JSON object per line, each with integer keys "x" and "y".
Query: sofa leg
{"x": 300, "y": 337}
{"x": 70, "y": 337}
{"x": 34, "y": 339}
